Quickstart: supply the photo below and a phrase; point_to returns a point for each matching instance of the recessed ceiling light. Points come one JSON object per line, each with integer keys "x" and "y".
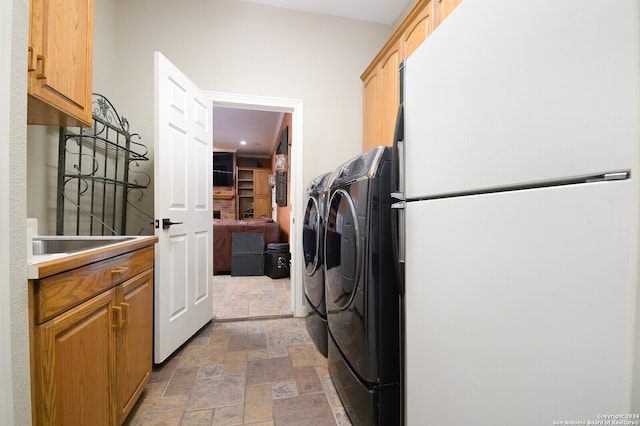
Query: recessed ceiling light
{"x": 243, "y": 142}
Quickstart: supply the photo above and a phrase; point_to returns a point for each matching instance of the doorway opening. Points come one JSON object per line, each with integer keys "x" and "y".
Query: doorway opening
{"x": 294, "y": 107}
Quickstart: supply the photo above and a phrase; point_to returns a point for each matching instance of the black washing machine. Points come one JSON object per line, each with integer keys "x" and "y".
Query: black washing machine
{"x": 312, "y": 246}
{"x": 363, "y": 296}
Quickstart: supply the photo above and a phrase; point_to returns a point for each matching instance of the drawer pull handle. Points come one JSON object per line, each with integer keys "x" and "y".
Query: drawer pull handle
{"x": 125, "y": 313}
{"x": 117, "y": 317}
{"x": 40, "y": 67}
{"x": 119, "y": 270}
{"x": 30, "y": 66}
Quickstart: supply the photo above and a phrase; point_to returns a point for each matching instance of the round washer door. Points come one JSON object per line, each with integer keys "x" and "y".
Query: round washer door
{"x": 311, "y": 237}
{"x": 312, "y": 253}
{"x": 342, "y": 252}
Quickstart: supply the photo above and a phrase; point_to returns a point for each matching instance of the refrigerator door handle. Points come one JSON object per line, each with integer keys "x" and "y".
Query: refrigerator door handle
{"x": 398, "y": 199}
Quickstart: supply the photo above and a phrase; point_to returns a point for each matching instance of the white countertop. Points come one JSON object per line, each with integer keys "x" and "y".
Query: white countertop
{"x": 37, "y": 261}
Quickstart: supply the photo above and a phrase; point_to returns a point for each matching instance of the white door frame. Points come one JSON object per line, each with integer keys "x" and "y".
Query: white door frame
{"x": 293, "y": 106}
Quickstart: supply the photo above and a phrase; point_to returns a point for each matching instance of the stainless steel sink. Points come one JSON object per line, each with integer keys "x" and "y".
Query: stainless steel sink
{"x": 69, "y": 244}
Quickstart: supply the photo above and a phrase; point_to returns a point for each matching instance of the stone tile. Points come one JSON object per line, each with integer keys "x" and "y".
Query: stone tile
{"x": 342, "y": 419}
{"x": 228, "y": 416}
{"x": 160, "y": 411}
{"x": 276, "y": 338}
{"x": 307, "y": 379}
{"x": 208, "y": 371}
{"x": 154, "y": 390}
{"x": 305, "y": 355}
{"x": 164, "y": 372}
{"x": 181, "y": 382}
{"x": 303, "y": 410}
{"x": 331, "y": 393}
{"x": 199, "y": 341}
{"x": 197, "y": 418}
{"x": 257, "y": 354}
{"x": 246, "y": 297}
{"x": 278, "y": 352}
{"x": 201, "y": 355}
{"x": 258, "y": 403}
{"x": 284, "y": 390}
{"x": 294, "y": 339}
{"x": 322, "y": 369}
{"x": 269, "y": 371}
{"x": 260, "y": 308}
{"x": 234, "y": 363}
{"x": 217, "y": 392}
{"x": 219, "y": 339}
{"x": 232, "y": 326}
{"x": 247, "y": 342}
{"x": 256, "y": 327}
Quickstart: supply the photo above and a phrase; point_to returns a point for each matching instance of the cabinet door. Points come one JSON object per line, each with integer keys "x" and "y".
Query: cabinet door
{"x": 60, "y": 62}
{"x": 261, "y": 182}
{"x": 73, "y": 365}
{"x": 262, "y": 206}
{"x": 372, "y": 107}
{"x": 135, "y": 345}
{"x": 443, "y": 8}
{"x": 418, "y": 30}
{"x": 390, "y": 98}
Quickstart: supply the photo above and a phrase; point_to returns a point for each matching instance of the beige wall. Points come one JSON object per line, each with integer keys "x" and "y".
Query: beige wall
{"x": 284, "y": 212}
{"x": 238, "y": 47}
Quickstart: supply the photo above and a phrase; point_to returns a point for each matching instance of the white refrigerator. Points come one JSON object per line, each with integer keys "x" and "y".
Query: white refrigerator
{"x": 521, "y": 136}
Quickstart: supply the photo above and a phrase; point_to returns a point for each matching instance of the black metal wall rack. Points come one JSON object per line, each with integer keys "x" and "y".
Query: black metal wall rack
{"x": 99, "y": 174}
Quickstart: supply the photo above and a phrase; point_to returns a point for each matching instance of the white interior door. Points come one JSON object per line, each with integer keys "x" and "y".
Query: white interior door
{"x": 182, "y": 173}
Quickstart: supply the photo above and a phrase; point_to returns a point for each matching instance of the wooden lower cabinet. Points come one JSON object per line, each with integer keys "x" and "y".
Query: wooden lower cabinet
{"x": 91, "y": 362}
{"x": 135, "y": 343}
{"x": 75, "y": 364}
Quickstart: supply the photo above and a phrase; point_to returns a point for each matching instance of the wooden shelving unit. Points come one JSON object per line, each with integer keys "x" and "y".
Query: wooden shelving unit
{"x": 253, "y": 195}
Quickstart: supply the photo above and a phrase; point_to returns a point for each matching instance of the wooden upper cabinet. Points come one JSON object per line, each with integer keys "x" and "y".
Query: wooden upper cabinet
{"x": 418, "y": 30}
{"x": 381, "y": 92}
{"x": 60, "y": 62}
{"x": 372, "y": 131}
{"x": 390, "y": 96}
{"x": 442, "y": 9}
{"x": 381, "y": 98}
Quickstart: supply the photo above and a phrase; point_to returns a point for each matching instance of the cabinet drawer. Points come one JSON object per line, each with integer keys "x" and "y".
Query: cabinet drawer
{"x": 57, "y": 293}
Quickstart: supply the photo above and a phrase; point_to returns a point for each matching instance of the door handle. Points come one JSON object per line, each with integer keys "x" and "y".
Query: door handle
{"x": 166, "y": 223}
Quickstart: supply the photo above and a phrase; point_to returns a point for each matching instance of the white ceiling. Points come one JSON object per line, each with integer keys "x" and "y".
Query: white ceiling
{"x": 259, "y": 128}
{"x": 380, "y": 11}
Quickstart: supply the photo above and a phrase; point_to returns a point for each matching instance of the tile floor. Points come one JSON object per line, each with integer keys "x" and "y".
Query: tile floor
{"x": 250, "y": 297}
{"x": 258, "y": 372}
